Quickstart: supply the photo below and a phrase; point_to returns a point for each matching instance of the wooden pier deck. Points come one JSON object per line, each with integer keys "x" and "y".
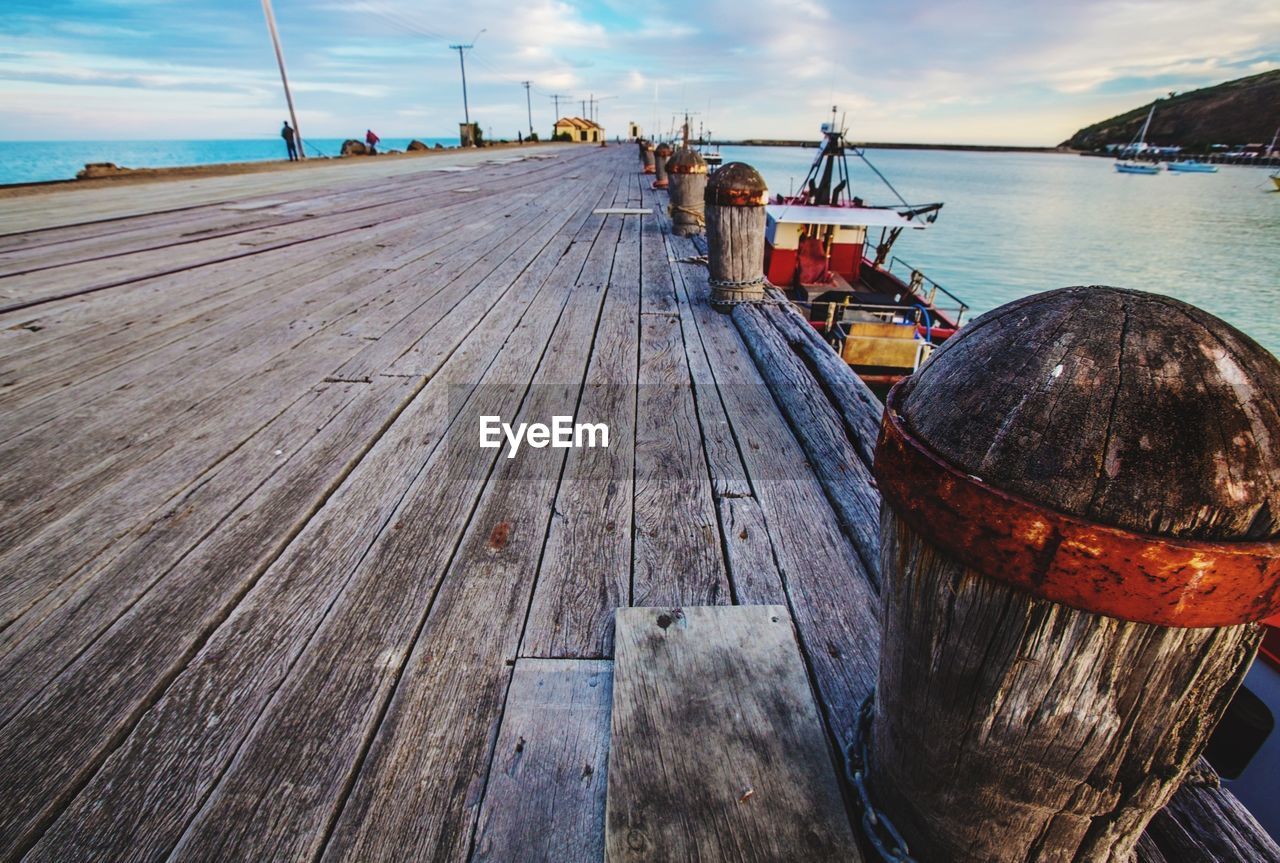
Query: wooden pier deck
{"x": 265, "y": 597}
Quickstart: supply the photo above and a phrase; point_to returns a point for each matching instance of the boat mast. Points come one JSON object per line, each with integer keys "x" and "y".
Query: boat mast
{"x": 1142, "y": 136}
{"x": 288, "y": 97}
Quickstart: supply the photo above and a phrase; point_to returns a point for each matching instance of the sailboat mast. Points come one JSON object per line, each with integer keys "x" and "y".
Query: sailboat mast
{"x": 1142, "y": 136}
{"x": 288, "y": 97}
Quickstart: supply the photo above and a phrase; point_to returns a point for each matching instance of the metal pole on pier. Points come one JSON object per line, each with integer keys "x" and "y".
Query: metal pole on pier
{"x": 528, "y": 101}
{"x": 462, "y": 64}
{"x": 284, "y": 77}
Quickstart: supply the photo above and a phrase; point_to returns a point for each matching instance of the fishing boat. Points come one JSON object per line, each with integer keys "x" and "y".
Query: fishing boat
{"x": 1191, "y": 166}
{"x": 883, "y": 316}
{"x": 710, "y": 152}
{"x": 1136, "y": 147}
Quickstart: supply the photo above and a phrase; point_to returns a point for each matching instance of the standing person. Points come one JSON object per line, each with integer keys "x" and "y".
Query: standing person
{"x": 290, "y": 141}
{"x": 520, "y": 137}
{"x": 372, "y": 140}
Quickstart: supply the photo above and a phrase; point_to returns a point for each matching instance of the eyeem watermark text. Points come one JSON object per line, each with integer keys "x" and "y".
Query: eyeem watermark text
{"x": 563, "y": 433}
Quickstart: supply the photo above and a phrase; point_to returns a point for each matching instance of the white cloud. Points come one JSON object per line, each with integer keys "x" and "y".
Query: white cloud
{"x": 985, "y": 71}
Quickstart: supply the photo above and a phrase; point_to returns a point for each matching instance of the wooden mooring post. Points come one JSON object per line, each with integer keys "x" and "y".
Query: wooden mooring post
{"x": 1080, "y": 501}
{"x": 661, "y": 154}
{"x": 688, "y": 183}
{"x": 647, "y": 154}
{"x": 735, "y": 200}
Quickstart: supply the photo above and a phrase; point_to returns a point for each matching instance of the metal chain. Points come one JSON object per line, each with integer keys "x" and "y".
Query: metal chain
{"x": 739, "y": 283}
{"x": 876, "y": 826}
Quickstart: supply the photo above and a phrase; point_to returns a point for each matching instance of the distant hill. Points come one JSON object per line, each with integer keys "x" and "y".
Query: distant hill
{"x": 1246, "y": 110}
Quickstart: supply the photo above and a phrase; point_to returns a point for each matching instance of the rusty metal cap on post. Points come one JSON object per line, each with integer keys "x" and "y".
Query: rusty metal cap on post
{"x": 736, "y": 184}
{"x": 662, "y": 150}
{"x": 1114, "y": 451}
{"x": 686, "y": 161}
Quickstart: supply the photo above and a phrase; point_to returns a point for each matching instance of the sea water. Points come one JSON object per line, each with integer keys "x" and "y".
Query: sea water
{"x": 1014, "y": 224}
{"x": 38, "y": 161}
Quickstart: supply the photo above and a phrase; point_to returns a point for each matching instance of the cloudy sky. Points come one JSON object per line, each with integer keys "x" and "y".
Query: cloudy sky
{"x": 966, "y": 72}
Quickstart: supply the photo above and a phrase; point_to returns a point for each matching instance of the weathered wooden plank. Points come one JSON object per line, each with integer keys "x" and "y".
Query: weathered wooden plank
{"x": 447, "y": 341}
{"x": 276, "y": 302}
{"x": 67, "y": 334}
{"x": 154, "y": 232}
{"x": 1205, "y": 823}
{"x": 857, "y": 405}
{"x": 44, "y": 550}
{"x": 36, "y": 646}
{"x": 231, "y": 676}
{"x": 449, "y": 202}
{"x": 753, "y": 568}
{"x": 406, "y": 801}
{"x": 471, "y": 284}
{"x": 678, "y": 553}
{"x": 586, "y": 567}
{"x": 74, "y": 209}
{"x": 24, "y": 291}
{"x": 56, "y": 742}
{"x": 253, "y": 340}
{"x": 545, "y": 796}
{"x": 717, "y": 750}
{"x": 658, "y": 296}
{"x": 844, "y": 475}
{"x": 396, "y": 255}
{"x": 835, "y": 608}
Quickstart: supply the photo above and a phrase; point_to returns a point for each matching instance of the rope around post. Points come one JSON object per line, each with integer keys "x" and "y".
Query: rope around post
{"x": 672, "y": 209}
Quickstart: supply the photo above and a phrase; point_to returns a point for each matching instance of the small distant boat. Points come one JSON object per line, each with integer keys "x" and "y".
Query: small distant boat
{"x": 1136, "y": 146}
{"x": 1191, "y": 166}
{"x": 709, "y": 152}
{"x": 1137, "y": 168}
{"x": 1275, "y": 178}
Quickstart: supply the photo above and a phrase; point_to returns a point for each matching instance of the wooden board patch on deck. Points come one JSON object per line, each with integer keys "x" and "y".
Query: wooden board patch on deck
{"x": 717, "y": 749}
{"x": 545, "y": 798}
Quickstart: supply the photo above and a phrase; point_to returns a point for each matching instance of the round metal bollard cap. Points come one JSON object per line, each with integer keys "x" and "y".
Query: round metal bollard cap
{"x": 686, "y": 161}
{"x": 737, "y": 184}
{"x": 1111, "y": 450}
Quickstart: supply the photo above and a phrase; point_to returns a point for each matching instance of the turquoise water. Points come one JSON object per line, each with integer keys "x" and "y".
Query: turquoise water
{"x": 1018, "y": 223}
{"x": 34, "y": 161}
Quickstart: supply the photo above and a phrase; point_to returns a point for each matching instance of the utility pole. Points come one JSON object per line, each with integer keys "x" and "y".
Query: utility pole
{"x": 557, "y": 97}
{"x": 466, "y": 109}
{"x": 584, "y": 109}
{"x": 528, "y": 101}
{"x": 284, "y": 78}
